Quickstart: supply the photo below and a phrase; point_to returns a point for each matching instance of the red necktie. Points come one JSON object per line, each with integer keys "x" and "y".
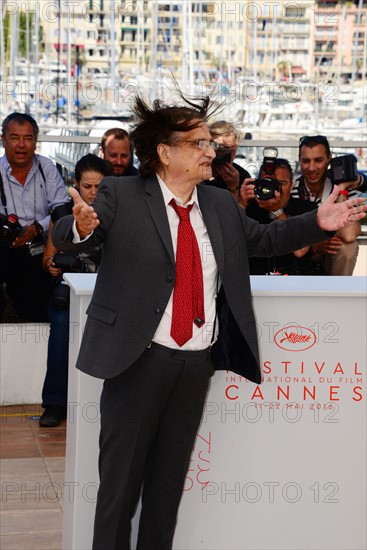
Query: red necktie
{"x": 188, "y": 294}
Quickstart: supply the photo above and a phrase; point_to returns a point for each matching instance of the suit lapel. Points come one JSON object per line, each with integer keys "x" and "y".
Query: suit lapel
{"x": 155, "y": 203}
{"x": 211, "y": 219}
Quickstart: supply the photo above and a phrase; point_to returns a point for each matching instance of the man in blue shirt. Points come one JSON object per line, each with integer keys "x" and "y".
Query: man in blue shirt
{"x": 30, "y": 187}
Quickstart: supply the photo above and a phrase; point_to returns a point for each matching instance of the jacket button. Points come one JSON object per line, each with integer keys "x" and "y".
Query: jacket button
{"x": 158, "y": 312}
{"x": 169, "y": 278}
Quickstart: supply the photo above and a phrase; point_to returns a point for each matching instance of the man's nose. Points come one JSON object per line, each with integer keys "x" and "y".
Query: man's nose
{"x": 210, "y": 152}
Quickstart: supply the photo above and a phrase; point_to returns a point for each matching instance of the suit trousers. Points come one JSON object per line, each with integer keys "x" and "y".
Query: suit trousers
{"x": 150, "y": 415}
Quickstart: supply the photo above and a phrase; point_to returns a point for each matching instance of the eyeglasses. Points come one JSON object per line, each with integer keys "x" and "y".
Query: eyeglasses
{"x": 203, "y": 143}
{"x": 312, "y": 139}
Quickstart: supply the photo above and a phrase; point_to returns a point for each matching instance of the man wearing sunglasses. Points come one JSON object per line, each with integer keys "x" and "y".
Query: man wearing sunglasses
{"x": 337, "y": 255}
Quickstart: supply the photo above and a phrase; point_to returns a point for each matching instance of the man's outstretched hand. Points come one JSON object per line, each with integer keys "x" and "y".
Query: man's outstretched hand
{"x": 84, "y": 215}
{"x": 332, "y": 215}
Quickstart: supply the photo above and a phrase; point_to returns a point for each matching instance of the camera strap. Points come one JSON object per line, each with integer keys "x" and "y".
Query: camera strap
{"x": 41, "y": 170}
{"x": 2, "y": 191}
{"x": 2, "y": 194}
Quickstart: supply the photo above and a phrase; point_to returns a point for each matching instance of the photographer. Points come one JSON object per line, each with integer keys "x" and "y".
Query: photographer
{"x": 30, "y": 186}
{"x": 226, "y": 173}
{"x": 279, "y": 206}
{"x": 116, "y": 149}
{"x": 89, "y": 171}
{"x": 338, "y": 255}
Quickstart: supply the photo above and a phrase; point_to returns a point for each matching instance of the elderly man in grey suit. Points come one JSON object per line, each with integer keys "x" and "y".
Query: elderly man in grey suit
{"x": 172, "y": 303}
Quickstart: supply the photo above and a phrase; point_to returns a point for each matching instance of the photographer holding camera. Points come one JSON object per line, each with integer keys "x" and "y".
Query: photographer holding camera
{"x": 226, "y": 173}
{"x": 30, "y": 186}
{"x": 89, "y": 171}
{"x": 314, "y": 184}
{"x": 269, "y": 199}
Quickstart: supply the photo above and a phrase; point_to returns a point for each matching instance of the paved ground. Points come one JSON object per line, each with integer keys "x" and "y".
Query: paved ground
{"x": 32, "y": 463}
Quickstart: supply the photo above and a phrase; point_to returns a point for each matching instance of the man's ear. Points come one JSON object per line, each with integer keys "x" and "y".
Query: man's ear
{"x": 164, "y": 153}
{"x": 101, "y": 153}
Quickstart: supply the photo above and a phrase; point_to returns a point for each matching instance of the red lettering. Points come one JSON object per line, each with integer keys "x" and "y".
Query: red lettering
{"x": 286, "y": 363}
{"x": 267, "y": 367}
{"x": 227, "y": 392}
{"x": 338, "y": 368}
{"x": 257, "y": 393}
{"x": 319, "y": 370}
{"x": 332, "y": 393}
{"x": 360, "y": 397}
{"x": 286, "y": 394}
{"x": 355, "y": 369}
{"x": 307, "y": 391}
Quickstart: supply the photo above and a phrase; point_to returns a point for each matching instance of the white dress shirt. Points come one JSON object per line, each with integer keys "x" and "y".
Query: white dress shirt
{"x": 201, "y": 337}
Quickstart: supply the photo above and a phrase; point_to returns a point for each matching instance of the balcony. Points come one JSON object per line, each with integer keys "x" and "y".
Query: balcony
{"x": 326, "y": 35}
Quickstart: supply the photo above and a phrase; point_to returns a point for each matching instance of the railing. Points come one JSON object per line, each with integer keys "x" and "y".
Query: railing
{"x": 291, "y": 143}
{"x": 249, "y": 152}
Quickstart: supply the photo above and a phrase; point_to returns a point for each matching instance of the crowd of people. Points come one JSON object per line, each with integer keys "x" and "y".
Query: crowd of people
{"x": 33, "y": 190}
{"x": 164, "y": 323}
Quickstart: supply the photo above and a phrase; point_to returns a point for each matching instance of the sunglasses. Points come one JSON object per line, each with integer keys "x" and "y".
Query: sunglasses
{"x": 304, "y": 140}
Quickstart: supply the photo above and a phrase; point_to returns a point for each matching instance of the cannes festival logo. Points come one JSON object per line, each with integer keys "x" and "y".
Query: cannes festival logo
{"x": 295, "y": 338}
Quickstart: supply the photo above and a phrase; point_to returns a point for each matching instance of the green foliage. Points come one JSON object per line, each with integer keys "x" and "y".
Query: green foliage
{"x": 22, "y": 32}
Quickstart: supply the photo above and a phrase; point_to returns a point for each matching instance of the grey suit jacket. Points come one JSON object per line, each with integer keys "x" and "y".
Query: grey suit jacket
{"x": 137, "y": 272}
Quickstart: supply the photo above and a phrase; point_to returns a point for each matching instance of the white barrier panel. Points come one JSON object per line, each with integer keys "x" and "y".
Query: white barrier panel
{"x": 276, "y": 466}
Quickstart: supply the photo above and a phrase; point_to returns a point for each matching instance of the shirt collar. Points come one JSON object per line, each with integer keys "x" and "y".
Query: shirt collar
{"x": 33, "y": 168}
{"x": 168, "y": 195}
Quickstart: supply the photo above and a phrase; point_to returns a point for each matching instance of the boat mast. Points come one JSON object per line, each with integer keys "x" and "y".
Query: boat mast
{"x": 2, "y": 44}
{"x": 113, "y": 50}
{"x": 355, "y": 45}
{"x": 187, "y": 47}
{"x": 153, "y": 89}
{"x": 68, "y": 38}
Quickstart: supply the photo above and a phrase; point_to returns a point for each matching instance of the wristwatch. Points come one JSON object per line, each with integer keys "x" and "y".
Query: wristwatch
{"x": 274, "y": 215}
{"x": 39, "y": 228}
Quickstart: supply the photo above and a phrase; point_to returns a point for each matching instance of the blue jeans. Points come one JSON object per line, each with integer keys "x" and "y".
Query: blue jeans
{"x": 55, "y": 386}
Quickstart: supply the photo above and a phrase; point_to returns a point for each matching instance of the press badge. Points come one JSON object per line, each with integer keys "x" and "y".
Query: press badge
{"x": 36, "y": 248}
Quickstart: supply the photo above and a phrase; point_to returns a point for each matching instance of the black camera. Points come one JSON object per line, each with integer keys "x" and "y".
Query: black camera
{"x": 10, "y": 229}
{"x": 223, "y": 155}
{"x": 343, "y": 168}
{"x": 266, "y": 186}
{"x": 61, "y": 210}
{"x": 68, "y": 264}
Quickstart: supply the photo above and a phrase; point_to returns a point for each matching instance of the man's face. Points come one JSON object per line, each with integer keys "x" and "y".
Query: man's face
{"x": 313, "y": 163}
{"x": 117, "y": 153}
{"x": 187, "y": 160}
{"x": 228, "y": 141}
{"x": 19, "y": 143}
{"x": 282, "y": 174}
